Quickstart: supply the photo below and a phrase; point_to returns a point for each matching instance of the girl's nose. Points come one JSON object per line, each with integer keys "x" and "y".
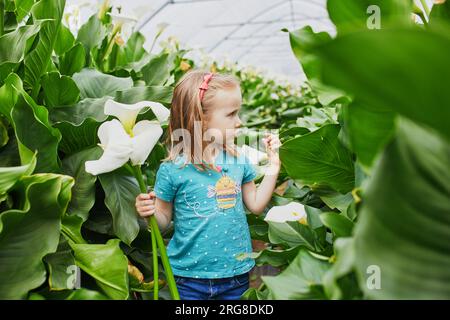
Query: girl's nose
{"x": 238, "y": 123}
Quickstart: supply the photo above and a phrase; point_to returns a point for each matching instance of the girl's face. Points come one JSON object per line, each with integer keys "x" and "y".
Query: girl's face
{"x": 223, "y": 118}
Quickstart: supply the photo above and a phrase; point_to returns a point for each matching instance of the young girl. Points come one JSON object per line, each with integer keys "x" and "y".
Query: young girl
{"x": 204, "y": 185}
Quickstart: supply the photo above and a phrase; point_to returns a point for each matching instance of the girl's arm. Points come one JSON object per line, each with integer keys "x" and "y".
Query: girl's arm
{"x": 256, "y": 199}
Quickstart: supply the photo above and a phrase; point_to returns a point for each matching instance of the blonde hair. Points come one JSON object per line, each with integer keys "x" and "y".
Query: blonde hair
{"x": 186, "y": 108}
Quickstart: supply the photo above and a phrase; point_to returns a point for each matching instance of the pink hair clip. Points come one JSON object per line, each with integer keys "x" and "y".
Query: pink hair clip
{"x": 204, "y": 85}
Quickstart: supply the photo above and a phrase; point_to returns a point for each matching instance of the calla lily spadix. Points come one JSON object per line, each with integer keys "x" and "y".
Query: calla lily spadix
{"x": 292, "y": 211}
{"x": 127, "y": 140}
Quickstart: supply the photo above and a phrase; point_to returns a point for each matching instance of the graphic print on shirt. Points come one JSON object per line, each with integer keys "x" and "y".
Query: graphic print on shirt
{"x": 225, "y": 191}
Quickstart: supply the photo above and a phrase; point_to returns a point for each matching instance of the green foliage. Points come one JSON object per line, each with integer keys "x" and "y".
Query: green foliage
{"x": 53, "y": 87}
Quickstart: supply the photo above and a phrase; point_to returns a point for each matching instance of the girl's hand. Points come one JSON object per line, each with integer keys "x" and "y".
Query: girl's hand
{"x": 272, "y": 143}
{"x": 145, "y": 204}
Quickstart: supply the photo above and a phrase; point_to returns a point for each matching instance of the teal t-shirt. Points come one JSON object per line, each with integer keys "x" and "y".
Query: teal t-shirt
{"x": 210, "y": 224}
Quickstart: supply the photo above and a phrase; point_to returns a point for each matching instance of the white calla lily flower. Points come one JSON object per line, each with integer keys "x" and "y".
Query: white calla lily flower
{"x": 292, "y": 211}
{"x": 255, "y": 156}
{"x": 126, "y": 140}
{"x": 116, "y": 145}
{"x": 127, "y": 113}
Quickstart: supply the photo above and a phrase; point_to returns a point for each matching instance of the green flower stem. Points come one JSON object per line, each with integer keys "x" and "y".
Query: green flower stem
{"x": 162, "y": 247}
{"x": 155, "y": 267}
{"x": 138, "y": 174}
{"x": 110, "y": 44}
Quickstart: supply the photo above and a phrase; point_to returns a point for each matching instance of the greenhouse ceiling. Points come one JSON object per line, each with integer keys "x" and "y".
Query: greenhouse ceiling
{"x": 243, "y": 31}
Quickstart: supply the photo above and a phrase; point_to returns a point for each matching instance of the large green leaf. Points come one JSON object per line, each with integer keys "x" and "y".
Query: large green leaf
{"x": 339, "y": 281}
{"x": 302, "y": 41}
{"x": 59, "y": 90}
{"x": 302, "y": 279}
{"x": 71, "y": 228}
{"x": 272, "y": 257}
{"x": 338, "y": 201}
{"x": 157, "y": 71}
{"x": 413, "y": 88}
{"x": 351, "y": 15}
{"x": 79, "y": 123}
{"x": 22, "y": 8}
{"x": 37, "y": 61}
{"x": 19, "y": 37}
{"x": 91, "y": 35}
{"x": 9, "y": 94}
{"x": 404, "y": 224}
{"x": 318, "y": 158}
{"x": 161, "y": 94}
{"x": 338, "y": 223}
{"x": 72, "y": 61}
{"x": 134, "y": 48}
{"x": 34, "y": 132}
{"x": 440, "y": 12}
{"x": 94, "y": 84}
{"x": 131, "y": 56}
{"x": 83, "y": 192}
{"x": 61, "y": 267}
{"x": 293, "y": 234}
{"x": 369, "y": 130}
{"x": 30, "y": 233}
{"x": 78, "y": 137}
{"x": 76, "y": 114}
{"x": 120, "y": 194}
{"x": 10, "y": 175}
{"x": 64, "y": 40}
{"x": 107, "y": 264}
